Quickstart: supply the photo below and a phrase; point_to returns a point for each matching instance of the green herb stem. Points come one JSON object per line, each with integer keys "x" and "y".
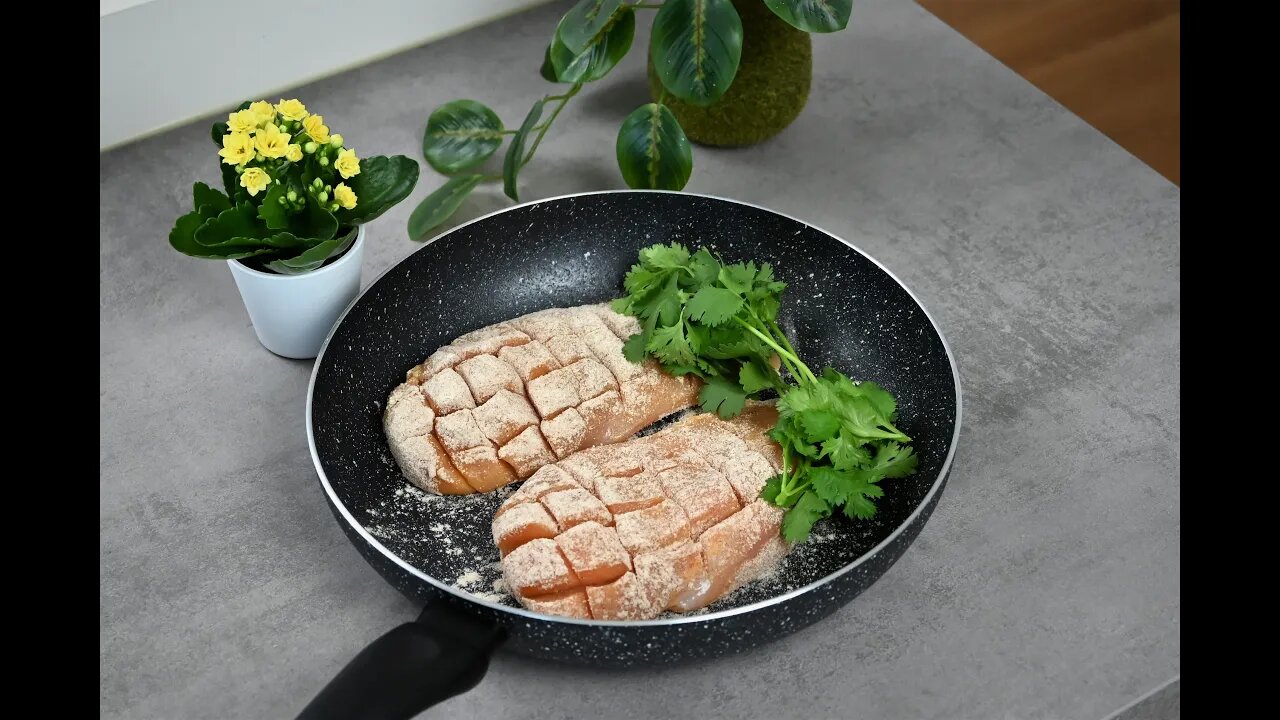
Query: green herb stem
{"x": 804, "y": 374}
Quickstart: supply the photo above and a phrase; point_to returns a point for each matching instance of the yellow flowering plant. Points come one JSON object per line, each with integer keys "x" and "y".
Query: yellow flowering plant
{"x": 293, "y": 193}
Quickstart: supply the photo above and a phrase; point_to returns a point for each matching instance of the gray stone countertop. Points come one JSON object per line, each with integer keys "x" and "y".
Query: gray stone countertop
{"x": 1047, "y": 583}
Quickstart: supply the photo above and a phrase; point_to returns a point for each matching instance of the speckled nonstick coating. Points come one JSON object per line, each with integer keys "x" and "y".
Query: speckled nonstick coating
{"x": 840, "y": 308}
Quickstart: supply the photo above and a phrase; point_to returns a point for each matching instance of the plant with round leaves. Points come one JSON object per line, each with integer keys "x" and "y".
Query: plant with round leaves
{"x": 294, "y": 195}
{"x": 696, "y": 46}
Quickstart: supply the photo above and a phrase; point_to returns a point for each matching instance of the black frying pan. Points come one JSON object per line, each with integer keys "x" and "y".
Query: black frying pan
{"x": 840, "y": 308}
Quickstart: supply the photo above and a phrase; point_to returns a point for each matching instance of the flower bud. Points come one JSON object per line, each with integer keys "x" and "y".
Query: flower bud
{"x": 310, "y": 147}
{"x": 335, "y": 140}
{"x": 239, "y": 169}
{"x": 333, "y": 207}
{"x": 293, "y": 196}
{"x": 317, "y": 183}
{"x": 323, "y": 196}
{"x": 324, "y": 161}
{"x": 282, "y": 201}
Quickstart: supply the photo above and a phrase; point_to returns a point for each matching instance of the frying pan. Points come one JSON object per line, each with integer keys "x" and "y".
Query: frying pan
{"x": 841, "y": 308}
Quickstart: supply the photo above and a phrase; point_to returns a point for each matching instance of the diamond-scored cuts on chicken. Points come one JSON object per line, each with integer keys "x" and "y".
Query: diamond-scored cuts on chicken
{"x": 668, "y": 522}
{"x": 497, "y": 404}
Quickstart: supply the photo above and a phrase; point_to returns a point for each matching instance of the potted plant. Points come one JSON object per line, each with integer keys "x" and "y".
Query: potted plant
{"x": 290, "y": 219}
{"x": 721, "y": 72}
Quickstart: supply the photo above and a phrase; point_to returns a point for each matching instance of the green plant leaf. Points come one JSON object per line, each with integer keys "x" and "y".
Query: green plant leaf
{"x": 439, "y": 205}
{"x": 182, "y": 238}
{"x": 460, "y": 135}
{"x": 231, "y": 183}
{"x": 203, "y": 195}
{"x": 714, "y": 305}
{"x": 383, "y": 181}
{"x": 548, "y": 69}
{"x": 585, "y": 21}
{"x": 601, "y": 53}
{"x": 217, "y": 131}
{"x": 314, "y": 221}
{"x": 799, "y": 520}
{"x": 723, "y": 397}
{"x": 653, "y": 151}
{"x": 755, "y": 376}
{"x": 819, "y": 16}
{"x": 314, "y": 257}
{"x": 515, "y": 151}
{"x": 696, "y": 46}
{"x": 287, "y": 240}
{"x": 237, "y": 226}
{"x": 275, "y": 215}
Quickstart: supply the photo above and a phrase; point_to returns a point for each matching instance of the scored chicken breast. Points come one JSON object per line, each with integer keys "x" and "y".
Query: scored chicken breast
{"x": 497, "y": 404}
{"x": 671, "y": 521}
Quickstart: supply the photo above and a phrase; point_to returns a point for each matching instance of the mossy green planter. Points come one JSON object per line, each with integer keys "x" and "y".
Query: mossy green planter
{"x": 768, "y": 92}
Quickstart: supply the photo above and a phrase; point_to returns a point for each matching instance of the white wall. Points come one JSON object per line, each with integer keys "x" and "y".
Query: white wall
{"x": 166, "y": 62}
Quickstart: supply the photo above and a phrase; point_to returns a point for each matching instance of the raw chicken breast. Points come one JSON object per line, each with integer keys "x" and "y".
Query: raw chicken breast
{"x": 498, "y": 403}
{"x": 671, "y": 521}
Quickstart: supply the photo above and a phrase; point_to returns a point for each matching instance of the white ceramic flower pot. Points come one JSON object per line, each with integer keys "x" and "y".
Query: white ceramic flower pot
{"x": 293, "y": 314}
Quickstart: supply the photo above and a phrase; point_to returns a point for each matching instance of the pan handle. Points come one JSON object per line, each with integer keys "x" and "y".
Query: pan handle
{"x": 445, "y": 652}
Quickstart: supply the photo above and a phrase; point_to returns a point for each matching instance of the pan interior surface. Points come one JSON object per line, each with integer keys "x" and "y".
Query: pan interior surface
{"x": 840, "y": 309}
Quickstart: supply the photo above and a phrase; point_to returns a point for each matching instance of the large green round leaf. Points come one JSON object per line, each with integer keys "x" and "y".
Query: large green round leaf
{"x": 696, "y": 46}
{"x": 601, "y": 53}
{"x": 653, "y": 152}
{"x": 584, "y": 21}
{"x": 460, "y": 135}
{"x": 383, "y": 181}
{"x": 820, "y": 16}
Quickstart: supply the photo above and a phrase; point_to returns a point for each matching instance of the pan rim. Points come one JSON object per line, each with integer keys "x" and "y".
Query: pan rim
{"x": 943, "y": 472}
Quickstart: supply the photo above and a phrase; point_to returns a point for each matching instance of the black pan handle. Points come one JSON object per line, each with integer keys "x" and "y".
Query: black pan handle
{"x": 445, "y": 652}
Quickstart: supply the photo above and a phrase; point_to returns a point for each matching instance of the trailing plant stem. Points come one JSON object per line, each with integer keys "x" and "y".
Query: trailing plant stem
{"x": 563, "y": 100}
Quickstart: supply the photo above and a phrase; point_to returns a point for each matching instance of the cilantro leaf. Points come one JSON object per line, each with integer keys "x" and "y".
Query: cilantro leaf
{"x": 703, "y": 268}
{"x": 771, "y": 488}
{"x": 722, "y": 397}
{"x": 845, "y": 451}
{"x": 634, "y": 348}
{"x": 799, "y": 520}
{"x": 830, "y": 484}
{"x": 671, "y": 257}
{"x": 739, "y": 277}
{"x": 819, "y": 425}
{"x": 895, "y": 461}
{"x": 670, "y": 346}
{"x": 755, "y": 376}
{"x": 714, "y": 306}
{"x": 858, "y": 505}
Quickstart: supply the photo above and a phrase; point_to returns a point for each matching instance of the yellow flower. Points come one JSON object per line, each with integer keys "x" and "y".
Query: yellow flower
{"x": 271, "y": 142}
{"x": 291, "y": 109}
{"x": 293, "y": 153}
{"x": 263, "y": 111}
{"x": 255, "y": 180}
{"x": 315, "y": 127}
{"x": 243, "y": 121}
{"x": 237, "y": 148}
{"x": 347, "y": 163}
{"x": 345, "y": 197}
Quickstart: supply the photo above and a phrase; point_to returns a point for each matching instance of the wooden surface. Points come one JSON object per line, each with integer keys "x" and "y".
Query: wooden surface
{"x": 1115, "y": 63}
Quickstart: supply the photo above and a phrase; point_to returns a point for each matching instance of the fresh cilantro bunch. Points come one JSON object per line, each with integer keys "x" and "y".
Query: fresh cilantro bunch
{"x": 838, "y": 441}
{"x": 702, "y": 317}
